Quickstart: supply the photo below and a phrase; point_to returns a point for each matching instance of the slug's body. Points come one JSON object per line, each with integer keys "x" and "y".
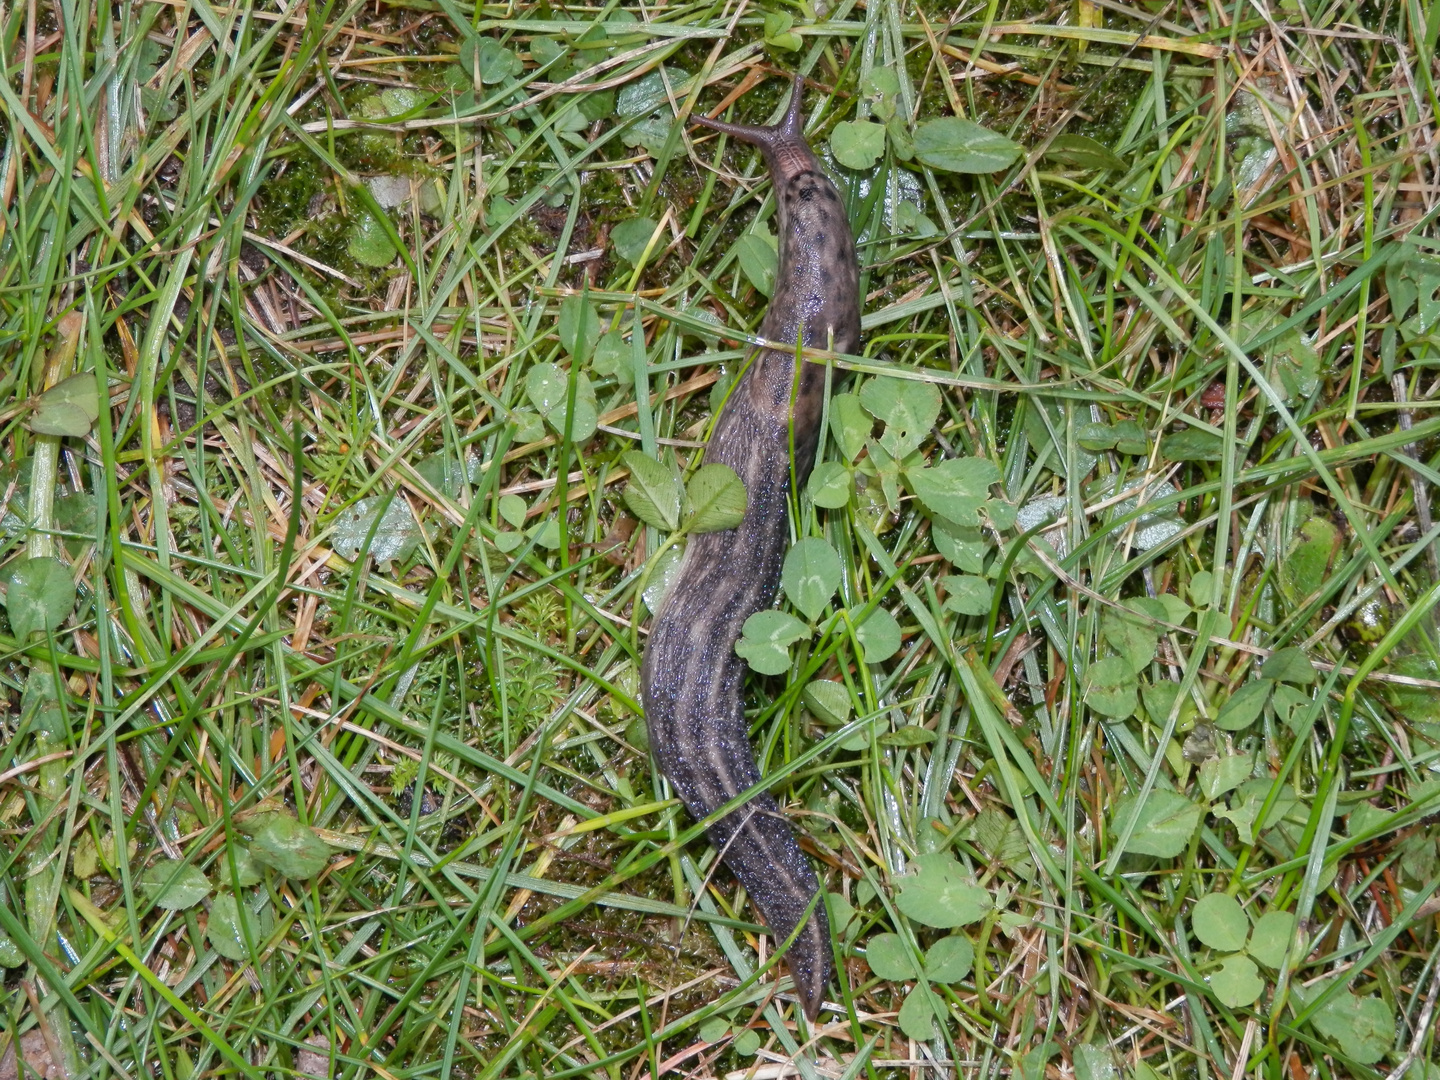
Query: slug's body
{"x": 692, "y": 678}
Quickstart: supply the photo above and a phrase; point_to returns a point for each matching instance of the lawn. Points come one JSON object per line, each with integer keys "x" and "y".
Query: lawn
{"x": 355, "y": 363}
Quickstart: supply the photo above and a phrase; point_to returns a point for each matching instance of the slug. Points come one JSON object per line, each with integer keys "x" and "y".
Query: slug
{"x": 691, "y": 678}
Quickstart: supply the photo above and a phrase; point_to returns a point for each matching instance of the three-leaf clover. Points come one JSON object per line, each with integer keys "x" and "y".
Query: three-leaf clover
{"x": 937, "y": 894}
{"x": 1221, "y": 923}
{"x": 69, "y": 407}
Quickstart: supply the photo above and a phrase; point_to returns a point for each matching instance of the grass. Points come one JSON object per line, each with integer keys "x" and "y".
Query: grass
{"x": 332, "y": 762}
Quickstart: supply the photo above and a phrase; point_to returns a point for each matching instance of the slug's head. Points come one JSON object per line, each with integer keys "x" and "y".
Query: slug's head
{"x": 786, "y": 152}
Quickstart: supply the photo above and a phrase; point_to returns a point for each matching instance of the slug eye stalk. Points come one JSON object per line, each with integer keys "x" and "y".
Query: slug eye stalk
{"x": 783, "y": 144}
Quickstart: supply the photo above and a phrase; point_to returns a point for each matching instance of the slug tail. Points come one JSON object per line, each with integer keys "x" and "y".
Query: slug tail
{"x": 760, "y": 848}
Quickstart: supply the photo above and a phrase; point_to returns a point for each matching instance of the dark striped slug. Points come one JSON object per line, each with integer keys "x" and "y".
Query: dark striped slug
{"x": 691, "y": 677}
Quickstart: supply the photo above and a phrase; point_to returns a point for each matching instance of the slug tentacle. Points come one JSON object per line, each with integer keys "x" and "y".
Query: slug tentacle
{"x": 691, "y": 678}
{"x": 777, "y": 143}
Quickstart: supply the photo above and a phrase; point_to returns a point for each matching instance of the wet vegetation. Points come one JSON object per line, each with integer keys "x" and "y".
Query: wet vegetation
{"x": 349, "y": 355}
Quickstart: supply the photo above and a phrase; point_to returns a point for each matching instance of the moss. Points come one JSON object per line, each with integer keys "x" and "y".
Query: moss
{"x": 283, "y": 203}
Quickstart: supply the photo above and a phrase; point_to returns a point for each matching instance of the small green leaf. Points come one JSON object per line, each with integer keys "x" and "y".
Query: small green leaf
{"x": 858, "y": 144}
{"x": 385, "y": 521}
{"x": 247, "y": 870}
{"x": 224, "y": 927}
{"x": 963, "y": 146}
{"x": 548, "y": 388}
{"x": 1243, "y": 707}
{"x": 917, "y": 1013}
{"x": 1220, "y": 922}
{"x": 811, "y": 575}
{"x": 369, "y": 243}
{"x": 579, "y": 326}
{"x": 645, "y": 95}
{"x": 939, "y": 893}
{"x": 499, "y": 210}
{"x": 747, "y": 1042}
{"x": 1271, "y": 937}
{"x": 714, "y": 1029}
{"x": 1130, "y": 438}
{"x": 880, "y": 87}
{"x": 907, "y": 406}
{"x": 1083, "y": 152}
{"x": 570, "y": 119}
{"x": 1241, "y": 813}
{"x": 965, "y": 546}
{"x": 955, "y": 488}
{"x": 1307, "y": 563}
{"x": 1200, "y": 587}
{"x": 1095, "y": 437}
{"x": 69, "y": 407}
{"x": 879, "y": 636}
{"x": 1111, "y": 688}
{"x": 1222, "y": 774}
{"x": 950, "y": 959}
{"x": 843, "y": 917}
{"x": 546, "y": 534}
{"x": 506, "y": 542}
{"x": 1166, "y": 823}
{"x": 1095, "y": 1061}
{"x": 39, "y": 595}
{"x": 398, "y": 100}
{"x": 969, "y": 595}
{"x": 512, "y": 510}
{"x": 1365, "y": 818}
{"x": 1132, "y": 632}
{"x": 889, "y": 958}
{"x": 850, "y": 425}
{"x": 613, "y": 356}
{"x": 10, "y": 954}
{"x": 652, "y": 132}
{"x": 289, "y": 848}
{"x": 174, "y": 885}
{"x": 653, "y": 493}
{"x": 717, "y": 499}
{"x": 1192, "y": 444}
{"x": 828, "y": 700}
{"x": 831, "y": 485}
{"x": 1159, "y": 701}
{"x": 1237, "y": 983}
{"x": 1001, "y": 838}
{"x": 1296, "y": 367}
{"x": 759, "y": 259}
{"x": 1289, "y": 665}
{"x": 886, "y": 470}
{"x": 546, "y": 50}
{"x": 765, "y": 641}
{"x": 443, "y": 472}
{"x": 1291, "y": 704}
{"x": 778, "y": 32}
{"x": 1363, "y": 1027}
{"x": 631, "y": 237}
{"x": 492, "y": 61}
{"x": 662, "y": 576}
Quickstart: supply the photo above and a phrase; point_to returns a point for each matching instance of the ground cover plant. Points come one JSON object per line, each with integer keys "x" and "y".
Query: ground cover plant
{"x": 356, "y": 362}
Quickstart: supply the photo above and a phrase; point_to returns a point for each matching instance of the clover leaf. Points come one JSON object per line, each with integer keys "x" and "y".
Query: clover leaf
{"x": 653, "y": 494}
{"x": 765, "y": 640}
{"x": 939, "y": 893}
